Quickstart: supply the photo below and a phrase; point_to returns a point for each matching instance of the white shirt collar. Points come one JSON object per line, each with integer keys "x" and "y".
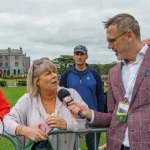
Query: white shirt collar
{"x": 139, "y": 55}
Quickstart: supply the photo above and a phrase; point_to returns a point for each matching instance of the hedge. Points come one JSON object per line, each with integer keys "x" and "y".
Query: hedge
{"x": 22, "y": 83}
{"x": 2, "y": 83}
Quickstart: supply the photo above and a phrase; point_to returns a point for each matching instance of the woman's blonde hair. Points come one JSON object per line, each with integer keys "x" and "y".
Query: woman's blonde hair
{"x": 38, "y": 67}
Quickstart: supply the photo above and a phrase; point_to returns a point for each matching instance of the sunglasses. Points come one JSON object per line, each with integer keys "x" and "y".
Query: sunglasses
{"x": 35, "y": 63}
{"x": 38, "y": 62}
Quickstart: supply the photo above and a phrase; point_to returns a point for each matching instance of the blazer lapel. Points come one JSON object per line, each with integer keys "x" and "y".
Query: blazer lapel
{"x": 117, "y": 83}
{"x": 144, "y": 66}
{"x": 119, "y": 80}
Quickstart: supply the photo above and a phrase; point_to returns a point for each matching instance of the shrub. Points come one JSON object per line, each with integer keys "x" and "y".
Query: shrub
{"x": 4, "y": 77}
{"x": 22, "y": 83}
{"x": 15, "y": 77}
{"x": 2, "y": 83}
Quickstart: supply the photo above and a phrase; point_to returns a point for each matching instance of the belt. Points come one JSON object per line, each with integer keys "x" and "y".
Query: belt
{"x": 124, "y": 147}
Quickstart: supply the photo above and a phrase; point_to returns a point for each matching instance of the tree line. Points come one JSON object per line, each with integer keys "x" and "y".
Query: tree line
{"x": 64, "y": 62}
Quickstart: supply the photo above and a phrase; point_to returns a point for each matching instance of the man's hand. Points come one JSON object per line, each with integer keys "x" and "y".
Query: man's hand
{"x": 76, "y": 107}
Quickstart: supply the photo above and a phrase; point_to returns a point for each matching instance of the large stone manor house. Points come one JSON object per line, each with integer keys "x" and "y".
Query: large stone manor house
{"x": 13, "y": 62}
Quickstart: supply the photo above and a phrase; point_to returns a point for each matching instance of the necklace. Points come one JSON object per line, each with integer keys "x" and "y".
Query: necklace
{"x": 49, "y": 102}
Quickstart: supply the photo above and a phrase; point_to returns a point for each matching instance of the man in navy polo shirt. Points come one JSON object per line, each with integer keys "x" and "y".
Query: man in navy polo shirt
{"x": 87, "y": 82}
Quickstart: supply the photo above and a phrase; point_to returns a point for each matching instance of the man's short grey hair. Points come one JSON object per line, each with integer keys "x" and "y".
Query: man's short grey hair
{"x": 124, "y": 22}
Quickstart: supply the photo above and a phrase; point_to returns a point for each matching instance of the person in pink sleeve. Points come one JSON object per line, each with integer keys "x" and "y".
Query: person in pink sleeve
{"x": 4, "y": 105}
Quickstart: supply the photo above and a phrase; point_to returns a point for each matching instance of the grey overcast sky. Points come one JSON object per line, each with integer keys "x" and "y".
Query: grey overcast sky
{"x": 54, "y": 27}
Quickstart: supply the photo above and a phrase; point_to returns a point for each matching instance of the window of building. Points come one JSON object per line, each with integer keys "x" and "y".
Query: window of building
{"x": 6, "y": 57}
{"x": 16, "y": 57}
{"x": 14, "y": 72}
{"x": 1, "y": 57}
{"x": 1, "y": 64}
{"x": 18, "y": 71}
{"x": 16, "y": 64}
{"x": 6, "y": 64}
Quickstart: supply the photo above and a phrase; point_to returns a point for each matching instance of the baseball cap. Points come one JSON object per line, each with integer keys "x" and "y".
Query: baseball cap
{"x": 80, "y": 48}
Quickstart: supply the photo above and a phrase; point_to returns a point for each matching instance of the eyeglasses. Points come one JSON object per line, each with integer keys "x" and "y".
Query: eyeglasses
{"x": 111, "y": 41}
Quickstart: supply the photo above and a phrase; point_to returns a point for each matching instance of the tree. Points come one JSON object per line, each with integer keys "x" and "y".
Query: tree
{"x": 106, "y": 67}
{"x": 63, "y": 63}
{"x": 96, "y": 67}
{"x": 103, "y": 69}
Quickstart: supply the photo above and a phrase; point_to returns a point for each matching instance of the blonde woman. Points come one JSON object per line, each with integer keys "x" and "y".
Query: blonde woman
{"x": 42, "y": 104}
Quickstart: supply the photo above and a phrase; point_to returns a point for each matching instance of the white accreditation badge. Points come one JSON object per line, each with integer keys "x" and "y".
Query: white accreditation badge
{"x": 122, "y": 111}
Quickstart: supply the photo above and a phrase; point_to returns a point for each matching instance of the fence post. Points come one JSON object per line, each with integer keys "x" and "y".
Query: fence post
{"x": 95, "y": 140}
{"x": 76, "y": 141}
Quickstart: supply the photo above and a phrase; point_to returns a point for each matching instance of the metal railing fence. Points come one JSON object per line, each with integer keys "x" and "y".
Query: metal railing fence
{"x": 14, "y": 140}
{"x": 17, "y": 145}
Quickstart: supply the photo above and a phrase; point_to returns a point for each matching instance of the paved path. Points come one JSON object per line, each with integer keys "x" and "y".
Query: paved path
{"x": 11, "y": 85}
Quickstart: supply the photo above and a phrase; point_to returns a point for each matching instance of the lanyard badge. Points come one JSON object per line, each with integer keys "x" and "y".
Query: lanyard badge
{"x": 122, "y": 111}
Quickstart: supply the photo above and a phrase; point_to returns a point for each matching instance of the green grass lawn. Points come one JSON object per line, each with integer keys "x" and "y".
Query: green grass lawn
{"x": 12, "y": 95}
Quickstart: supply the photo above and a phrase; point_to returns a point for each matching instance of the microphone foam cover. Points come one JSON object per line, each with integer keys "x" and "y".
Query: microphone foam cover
{"x": 62, "y": 94}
